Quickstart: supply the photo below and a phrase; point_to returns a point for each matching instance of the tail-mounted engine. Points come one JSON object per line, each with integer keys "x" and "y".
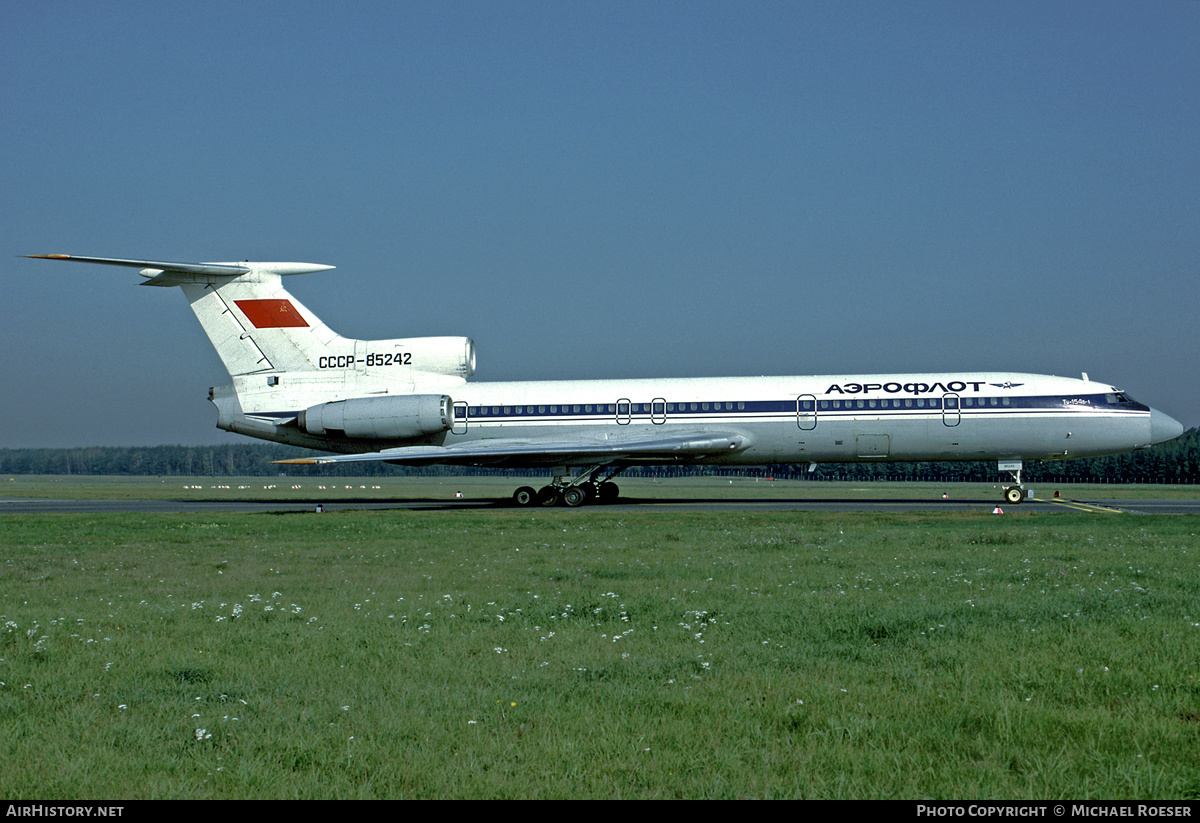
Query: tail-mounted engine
{"x": 406, "y": 417}
{"x": 451, "y": 356}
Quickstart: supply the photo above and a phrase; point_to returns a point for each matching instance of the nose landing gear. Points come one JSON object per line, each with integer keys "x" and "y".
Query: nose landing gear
{"x": 1016, "y": 493}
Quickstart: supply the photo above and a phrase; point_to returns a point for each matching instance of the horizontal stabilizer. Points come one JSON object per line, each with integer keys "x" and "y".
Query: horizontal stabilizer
{"x": 156, "y": 269}
{"x": 210, "y": 269}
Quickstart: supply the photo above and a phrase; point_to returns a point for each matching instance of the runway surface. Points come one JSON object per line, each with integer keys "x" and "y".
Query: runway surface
{"x": 747, "y": 504}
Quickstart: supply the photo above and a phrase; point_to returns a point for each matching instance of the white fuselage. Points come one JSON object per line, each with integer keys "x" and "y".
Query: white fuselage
{"x": 836, "y": 418}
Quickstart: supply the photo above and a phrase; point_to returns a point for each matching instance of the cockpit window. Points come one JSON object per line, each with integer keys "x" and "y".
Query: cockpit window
{"x": 1119, "y": 399}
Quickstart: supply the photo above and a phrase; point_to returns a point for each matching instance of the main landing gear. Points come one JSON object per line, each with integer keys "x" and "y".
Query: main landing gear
{"x": 1016, "y": 493}
{"x": 588, "y": 487}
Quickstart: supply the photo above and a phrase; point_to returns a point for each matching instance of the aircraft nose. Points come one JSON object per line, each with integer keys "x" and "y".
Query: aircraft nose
{"x": 1163, "y": 427}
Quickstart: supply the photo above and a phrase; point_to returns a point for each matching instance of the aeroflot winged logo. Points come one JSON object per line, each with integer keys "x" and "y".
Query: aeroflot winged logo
{"x": 271, "y": 314}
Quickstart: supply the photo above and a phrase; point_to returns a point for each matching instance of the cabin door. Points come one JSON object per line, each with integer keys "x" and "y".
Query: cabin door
{"x": 951, "y": 413}
{"x": 806, "y": 412}
{"x": 459, "y": 424}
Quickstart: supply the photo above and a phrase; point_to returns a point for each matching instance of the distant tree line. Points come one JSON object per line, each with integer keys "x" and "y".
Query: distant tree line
{"x": 240, "y": 460}
{"x": 1174, "y": 462}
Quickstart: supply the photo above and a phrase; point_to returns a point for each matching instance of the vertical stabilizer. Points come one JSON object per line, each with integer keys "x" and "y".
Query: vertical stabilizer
{"x": 281, "y": 357}
{"x": 257, "y": 326}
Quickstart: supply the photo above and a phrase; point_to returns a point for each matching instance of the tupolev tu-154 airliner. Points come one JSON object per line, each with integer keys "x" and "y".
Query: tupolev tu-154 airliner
{"x": 407, "y": 401}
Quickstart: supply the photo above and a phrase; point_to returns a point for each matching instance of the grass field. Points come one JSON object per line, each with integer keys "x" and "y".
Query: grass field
{"x": 591, "y": 653}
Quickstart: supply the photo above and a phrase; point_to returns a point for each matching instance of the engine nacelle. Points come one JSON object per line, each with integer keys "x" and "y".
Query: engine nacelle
{"x": 399, "y": 417}
{"x": 452, "y": 356}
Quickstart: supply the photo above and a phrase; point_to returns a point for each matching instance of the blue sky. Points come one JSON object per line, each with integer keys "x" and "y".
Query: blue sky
{"x": 593, "y": 190}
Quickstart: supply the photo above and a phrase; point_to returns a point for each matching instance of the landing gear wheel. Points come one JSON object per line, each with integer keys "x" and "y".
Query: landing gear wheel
{"x": 525, "y": 496}
{"x": 547, "y": 496}
{"x": 573, "y": 496}
{"x": 608, "y": 492}
{"x": 1013, "y": 495}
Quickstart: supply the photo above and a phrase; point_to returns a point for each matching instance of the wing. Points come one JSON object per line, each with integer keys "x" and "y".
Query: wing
{"x": 514, "y": 452}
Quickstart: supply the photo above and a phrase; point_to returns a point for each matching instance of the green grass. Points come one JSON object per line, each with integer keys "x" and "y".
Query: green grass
{"x": 593, "y": 653}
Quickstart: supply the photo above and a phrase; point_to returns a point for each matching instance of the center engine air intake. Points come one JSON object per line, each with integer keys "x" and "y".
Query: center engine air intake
{"x": 452, "y": 356}
{"x": 406, "y": 417}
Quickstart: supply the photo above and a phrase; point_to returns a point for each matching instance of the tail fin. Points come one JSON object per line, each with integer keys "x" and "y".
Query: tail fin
{"x": 255, "y": 324}
{"x": 280, "y": 355}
